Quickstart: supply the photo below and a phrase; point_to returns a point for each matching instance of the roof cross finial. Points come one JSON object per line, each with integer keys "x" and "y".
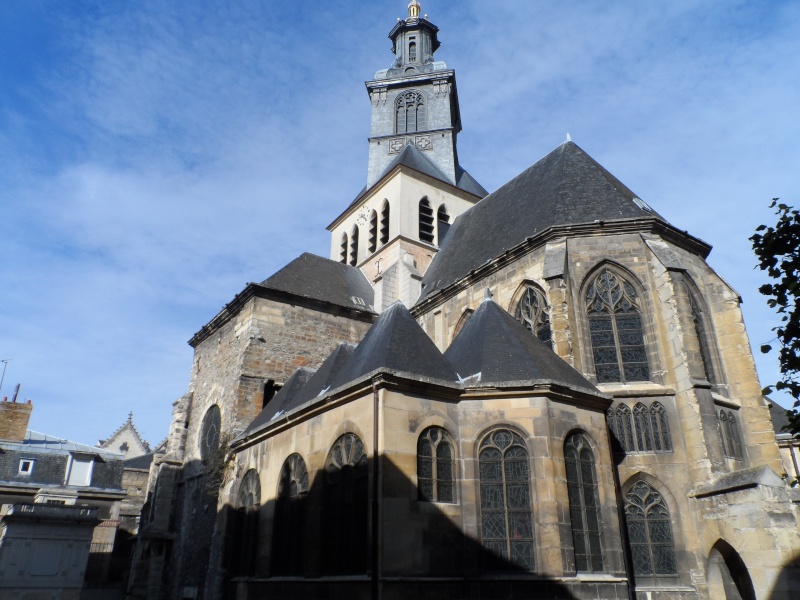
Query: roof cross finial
{"x": 413, "y": 9}
{"x": 130, "y": 417}
{"x": 487, "y": 294}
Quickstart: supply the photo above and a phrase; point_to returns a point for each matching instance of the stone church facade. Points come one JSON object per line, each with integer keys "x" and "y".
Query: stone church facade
{"x": 542, "y": 392}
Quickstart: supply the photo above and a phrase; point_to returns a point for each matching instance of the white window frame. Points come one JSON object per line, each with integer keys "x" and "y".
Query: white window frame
{"x": 71, "y": 464}
{"x": 30, "y": 462}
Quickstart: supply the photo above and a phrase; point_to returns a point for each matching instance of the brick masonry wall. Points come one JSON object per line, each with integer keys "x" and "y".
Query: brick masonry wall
{"x": 14, "y": 418}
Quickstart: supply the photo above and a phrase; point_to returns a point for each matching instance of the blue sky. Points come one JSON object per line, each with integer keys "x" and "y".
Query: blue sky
{"x": 158, "y": 155}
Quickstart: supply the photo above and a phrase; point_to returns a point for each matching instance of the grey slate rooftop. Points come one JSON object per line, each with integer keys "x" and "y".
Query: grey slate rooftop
{"x": 324, "y": 280}
{"x": 396, "y": 342}
{"x": 494, "y": 345}
{"x": 412, "y": 158}
{"x": 779, "y": 418}
{"x": 36, "y": 442}
{"x": 566, "y": 187}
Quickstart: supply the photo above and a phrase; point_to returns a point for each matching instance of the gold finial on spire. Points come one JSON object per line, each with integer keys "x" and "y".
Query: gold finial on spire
{"x": 413, "y": 9}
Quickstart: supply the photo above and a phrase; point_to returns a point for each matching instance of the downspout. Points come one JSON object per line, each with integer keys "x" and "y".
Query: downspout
{"x": 375, "y": 558}
{"x": 623, "y": 528}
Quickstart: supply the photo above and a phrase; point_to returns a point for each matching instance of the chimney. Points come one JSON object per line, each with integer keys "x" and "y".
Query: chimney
{"x": 14, "y": 419}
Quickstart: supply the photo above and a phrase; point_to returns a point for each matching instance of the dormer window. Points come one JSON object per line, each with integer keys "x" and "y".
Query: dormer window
{"x": 26, "y": 466}
{"x": 79, "y": 470}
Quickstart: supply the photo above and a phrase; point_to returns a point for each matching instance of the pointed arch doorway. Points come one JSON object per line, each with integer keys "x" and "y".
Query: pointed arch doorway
{"x": 727, "y": 574}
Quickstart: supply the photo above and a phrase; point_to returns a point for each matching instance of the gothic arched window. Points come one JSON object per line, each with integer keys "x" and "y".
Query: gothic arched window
{"x": 290, "y": 518}
{"x": 343, "y": 249}
{"x": 442, "y": 223}
{"x": 533, "y": 312}
{"x": 412, "y": 52}
{"x": 649, "y": 533}
{"x": 372, "y": 244}
{"x": 209, "y": 432}
{"x": 425, "y": 221}
{"x": 435, "y": 466}
{"x": 385, "y": 223}
{"x": 584, "y": 509}
{"x": 410, "y": 107}
{"x": 645, "y": 429}
{"x": 729, "y": 433}
{"x": 346, "y": 507}
{"x": 505, "y": 486}
{"x": 247, "y": 502}
{"x": 615, "y": 324}
{"x": 354, "y": 246}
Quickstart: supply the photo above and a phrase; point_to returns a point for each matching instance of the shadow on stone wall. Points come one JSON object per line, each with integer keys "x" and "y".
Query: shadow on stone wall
{"x": 787, "y": 587}
{"x": 424, "y": 554}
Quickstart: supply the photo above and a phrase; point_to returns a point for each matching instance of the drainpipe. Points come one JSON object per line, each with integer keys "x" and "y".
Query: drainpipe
{"x": 375, "y": 557}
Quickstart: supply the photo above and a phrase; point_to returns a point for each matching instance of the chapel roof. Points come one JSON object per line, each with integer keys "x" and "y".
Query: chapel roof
{"x": 493, "y": 347}
{"x": 324, "y": 280}
{"x": 566, "y": 187}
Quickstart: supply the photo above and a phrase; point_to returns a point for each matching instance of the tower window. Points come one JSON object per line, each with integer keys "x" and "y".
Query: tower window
{"x": 412, "y": 52}
{"x": 533, "y": 312}
{"x": 649, "y": 533}
{"x": 354, "y": 247}
{"x": 410, "y": 112}
{"x": 372, "y": 243}
{"x": 425, "y": 221}
{"x": 385, "y": 223}
{"x": 615, "y": 324}
{"x": 584, "y": 509}
{"x": 435, "y": 466}
{"x": 506, "y": 517}
{"x": 729, "y": 434}
{"x": 343, "y": 249}
{"x": 442, "y": 223}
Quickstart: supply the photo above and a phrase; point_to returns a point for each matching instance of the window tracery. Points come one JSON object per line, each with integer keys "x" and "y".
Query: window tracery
{"x": 506, "y": 517}
{"x": 645, "y": 429}
{"x": 615, "y": 325}
{"x": 345, "y": 524}
{"x": 435, "y": 466}
{"x": 290, "y": 517}
{"x": 649, "y": 533}
{"x": 209, "y": 432}
{"x": 410, "y": 112}
{"x": 533, "y": 312}
{"x": 584, "y": 509}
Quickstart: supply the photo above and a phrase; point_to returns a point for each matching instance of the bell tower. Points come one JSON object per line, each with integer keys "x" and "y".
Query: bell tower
{"x": 414, "y": 102}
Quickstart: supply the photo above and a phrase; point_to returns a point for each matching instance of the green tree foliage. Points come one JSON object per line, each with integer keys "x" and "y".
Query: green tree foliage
{"x": 778, "y": 252}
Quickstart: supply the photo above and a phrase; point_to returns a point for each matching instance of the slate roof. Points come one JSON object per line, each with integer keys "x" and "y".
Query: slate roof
{"x": 779, "y": 418}
{"x": 412, "y": 158}
{"x": 37, "y": 442}
{"x": 325, "y": 280}
{"x": 140, "y": 462}
{"x": 498, "y": 347}
{"x": 282, "y": 401}
{"x": 566, "y": 187}
{"x": 396, "y": 342}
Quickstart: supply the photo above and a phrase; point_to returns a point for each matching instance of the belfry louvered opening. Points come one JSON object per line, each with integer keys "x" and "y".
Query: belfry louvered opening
{"x": 384, "y": 223}
{"x": 425, "y": 221}
{"x": 372, "y": 243}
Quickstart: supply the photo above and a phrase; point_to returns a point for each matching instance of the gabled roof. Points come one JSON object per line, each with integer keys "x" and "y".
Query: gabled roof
{"x": 495, "y": 346}
{"x": 283, "y": 400}
{"x": 324, "y": 280}
{"x": 566, "y": 187}
{"x": 396, "y": 342}
{"x": 412, "y": 158}
{"x": 132, "y": 433}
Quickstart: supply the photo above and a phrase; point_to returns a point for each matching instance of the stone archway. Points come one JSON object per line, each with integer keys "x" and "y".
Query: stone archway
{"x": 727, "y": 575}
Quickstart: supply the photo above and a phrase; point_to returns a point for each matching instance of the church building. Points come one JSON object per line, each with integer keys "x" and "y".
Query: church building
{"x": 540, "y": 392}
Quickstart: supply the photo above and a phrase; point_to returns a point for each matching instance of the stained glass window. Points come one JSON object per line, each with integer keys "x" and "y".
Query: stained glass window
{"x": 346, "y": 508}
{"x": 533, "y": 312}
{"x": 435, "y": 466}
{"x": 505, "y": 487}
{"x": 290, "y": 518}
{"x": 584, "y": 509}
{"x": 729, "y": 433}
{"x": 615, "y": 326}
{"x": 248, "y": 500}
{"x": 649, "y": 532}
{"x": 209, "y": 432}
{"x": 410, "y": 107}
{"x": 645, "y": 429}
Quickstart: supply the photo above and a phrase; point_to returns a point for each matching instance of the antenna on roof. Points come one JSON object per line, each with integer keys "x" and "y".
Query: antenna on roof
{"x": 5, "y": 364}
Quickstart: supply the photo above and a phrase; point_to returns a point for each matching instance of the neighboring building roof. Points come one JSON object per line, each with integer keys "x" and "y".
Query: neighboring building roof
{"x": 493, "y": 347}
{"x": 37, "y": 442}
{"x": 324, "y": 280}
{"x": 396, "y": 342}
{"x": 412, "y": 158}
{"x": 139, "y": 462}
{"x": 779, "y": 418}
{"x": 566, "y": 187}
